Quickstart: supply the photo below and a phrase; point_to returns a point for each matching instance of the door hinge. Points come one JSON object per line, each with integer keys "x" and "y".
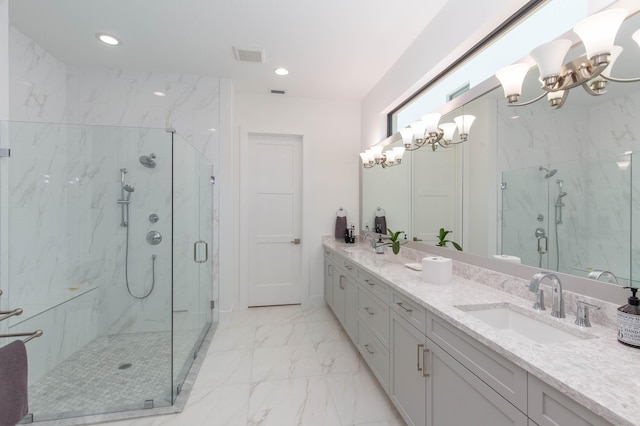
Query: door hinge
{"x": 213, "y": 304}
{"x": 212, "y": 179}
{"x": 5, "y": 152}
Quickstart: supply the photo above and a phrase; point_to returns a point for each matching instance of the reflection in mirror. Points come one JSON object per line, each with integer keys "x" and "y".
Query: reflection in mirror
{"x": 436, "y": 198}
{"x": 572, "y": 217}
{"x": 586, "y": 144}
{"x": 389, "y": 189}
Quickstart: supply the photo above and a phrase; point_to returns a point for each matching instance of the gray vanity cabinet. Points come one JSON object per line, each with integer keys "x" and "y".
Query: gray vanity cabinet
{"x": 435, "y": 373}
{"x": 408, "y": 387}
{"x": 548, "y": 407}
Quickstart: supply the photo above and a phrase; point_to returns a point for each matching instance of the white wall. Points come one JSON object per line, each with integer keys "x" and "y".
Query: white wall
{"x": 331, "y": 143}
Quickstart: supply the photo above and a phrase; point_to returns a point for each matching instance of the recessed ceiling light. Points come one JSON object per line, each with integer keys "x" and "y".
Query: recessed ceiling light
{"x": 281, "y": 71}
{"x": 108, "y": 39}
{"x": 159, "y": 93}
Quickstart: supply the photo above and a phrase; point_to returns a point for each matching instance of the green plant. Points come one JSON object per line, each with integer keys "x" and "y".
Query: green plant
{"x": 443, "y": 241}
{"x": 395, "y": 242}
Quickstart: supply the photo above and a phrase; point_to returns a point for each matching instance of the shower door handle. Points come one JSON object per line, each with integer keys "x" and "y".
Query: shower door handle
{"x": 195, "y": 251}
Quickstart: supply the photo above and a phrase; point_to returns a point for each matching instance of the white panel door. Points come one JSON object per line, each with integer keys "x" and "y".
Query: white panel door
{"x": 275, "y": 175}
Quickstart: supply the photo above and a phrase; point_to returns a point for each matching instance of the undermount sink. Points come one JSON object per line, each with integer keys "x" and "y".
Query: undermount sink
{"x": 516, "y": 322}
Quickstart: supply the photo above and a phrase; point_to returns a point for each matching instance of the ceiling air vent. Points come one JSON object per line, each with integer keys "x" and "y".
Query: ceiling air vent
{"x": 248, "y": 55}
{"x": 277, "y": 92}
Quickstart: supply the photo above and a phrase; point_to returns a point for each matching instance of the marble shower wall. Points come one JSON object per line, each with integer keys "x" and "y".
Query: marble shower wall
{"x": 584, "y": 143}
{"x": 43, "y": 90}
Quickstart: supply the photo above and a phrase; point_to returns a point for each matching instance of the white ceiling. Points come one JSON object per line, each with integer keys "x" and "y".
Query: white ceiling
{"x": 335, "y": 49}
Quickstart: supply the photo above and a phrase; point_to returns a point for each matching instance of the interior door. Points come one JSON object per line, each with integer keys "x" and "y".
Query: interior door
{"x": 275, "y": 175}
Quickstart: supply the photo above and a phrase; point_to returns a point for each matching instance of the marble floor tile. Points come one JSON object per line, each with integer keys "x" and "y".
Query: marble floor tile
{"x": 285, "y": 362}
{"x": 325, "y": 331}
{"x": 279, "y": 314}
{"x": 233, "y": 338}
{"x": 282, "y": 366}
{"x": 339, "y": 356}
{"x": 302, "y": 401}
{"x": 225, "y": 368}
{"x": 318, "y": 313}
{"x": 360, "y": 399}
{"x": 274, "y": 335}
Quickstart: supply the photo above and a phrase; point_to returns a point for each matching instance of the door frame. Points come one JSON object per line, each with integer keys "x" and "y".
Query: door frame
{"x": 243, "y": 225}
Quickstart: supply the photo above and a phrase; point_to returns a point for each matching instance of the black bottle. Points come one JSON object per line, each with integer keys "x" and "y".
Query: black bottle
{"x": 629, "y": 321}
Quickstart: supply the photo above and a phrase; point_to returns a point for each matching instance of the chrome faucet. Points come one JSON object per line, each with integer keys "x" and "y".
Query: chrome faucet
{"x": 557, "y": 301}
{"x": 372, "y": 245}
{"x": 606, "y": 276}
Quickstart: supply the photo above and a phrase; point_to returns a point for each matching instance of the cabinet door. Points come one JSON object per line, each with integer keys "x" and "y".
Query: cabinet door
{"x": 339, "y": 294}
{"x": 408, "y": 385}
{"x": 328, "y": 281}
{"x": 455, "y": 396}
{"x": 549, "y": 407}
{"x": 351, "y": 308}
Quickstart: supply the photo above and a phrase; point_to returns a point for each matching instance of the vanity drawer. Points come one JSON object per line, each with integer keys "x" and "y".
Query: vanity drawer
{"x": 375, "y": 285}
{"x": 348, "y": 266}
{"x": 410, "y": 310}
{"x": 375, "y": 354}
{"x": 375, "y": 314}
{"x": 503, "y": 376}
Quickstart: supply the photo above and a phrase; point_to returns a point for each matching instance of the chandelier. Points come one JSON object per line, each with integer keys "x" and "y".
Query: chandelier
{"x": 374, "y": 156}
{"x": 590, "y": 71}
{"x": 428, "y": 132}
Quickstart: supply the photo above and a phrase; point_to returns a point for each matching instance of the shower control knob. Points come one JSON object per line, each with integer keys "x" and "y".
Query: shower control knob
{"x": 153, "y": 218}
{"x": 154, "y": 238}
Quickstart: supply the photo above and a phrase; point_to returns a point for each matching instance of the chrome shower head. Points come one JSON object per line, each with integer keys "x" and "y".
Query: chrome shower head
{"x": 148, "y": 161}
{"x": 549, "y": 172}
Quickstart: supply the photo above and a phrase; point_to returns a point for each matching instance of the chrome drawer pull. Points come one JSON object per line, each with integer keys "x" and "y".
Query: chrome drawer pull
{"x": 340, "y": 284}
{"x": 424, "y": 363}
{"x": 402, "y": 306}
{"x": 420, "y": 346}
{"x": 369, "y": 282}
{"x": 369, "y": 311}
{"x": 369, "y": 350}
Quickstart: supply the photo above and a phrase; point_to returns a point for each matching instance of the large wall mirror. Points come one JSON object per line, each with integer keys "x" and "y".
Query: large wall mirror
{"x": 550, "y": 188}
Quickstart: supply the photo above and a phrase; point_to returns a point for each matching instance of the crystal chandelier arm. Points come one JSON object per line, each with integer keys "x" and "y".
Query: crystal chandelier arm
{"x": 529, "y": 102}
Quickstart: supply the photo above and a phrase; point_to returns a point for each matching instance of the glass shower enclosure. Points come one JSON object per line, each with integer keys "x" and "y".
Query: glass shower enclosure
{"x": 105, "y": 246}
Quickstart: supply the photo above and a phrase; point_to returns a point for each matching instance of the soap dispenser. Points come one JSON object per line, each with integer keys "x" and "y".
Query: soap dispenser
{"x": 629, "y": 321}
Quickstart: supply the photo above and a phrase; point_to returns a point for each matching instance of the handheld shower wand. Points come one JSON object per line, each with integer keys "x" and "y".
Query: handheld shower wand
{"x": 125, "y": 198}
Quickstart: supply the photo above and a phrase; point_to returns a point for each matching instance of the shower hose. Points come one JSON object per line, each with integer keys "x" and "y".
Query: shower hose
{"x": 126, "y": 267}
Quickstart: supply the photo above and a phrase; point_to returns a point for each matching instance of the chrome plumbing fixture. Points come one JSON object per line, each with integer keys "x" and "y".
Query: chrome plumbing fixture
{"x": 559, "y": 203}
{"x": 125, "y": 201}
{"x": 548, "y": 173}
{"x": 582, "y": 315}
{"x": 148, "y": 160}
{"x": 125, "y": 198}
{"x": 557, "y": 300}
{"x": 606, "y": 276}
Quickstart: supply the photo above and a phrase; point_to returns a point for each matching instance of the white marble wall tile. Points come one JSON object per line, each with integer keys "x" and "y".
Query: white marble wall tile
{"x": 38, "y": 89}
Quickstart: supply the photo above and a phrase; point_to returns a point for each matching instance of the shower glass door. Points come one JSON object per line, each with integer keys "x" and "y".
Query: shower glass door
{"x": 97, "y": 289}
{"x": 193, "y": 253}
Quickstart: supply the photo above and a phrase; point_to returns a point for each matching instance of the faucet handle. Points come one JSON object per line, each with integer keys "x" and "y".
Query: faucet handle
{"x": 582, "y": 315}
{"x": 539, "y": 305}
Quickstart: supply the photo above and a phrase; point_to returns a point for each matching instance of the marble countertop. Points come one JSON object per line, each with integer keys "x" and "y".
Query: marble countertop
{"x": 598, "y": 372}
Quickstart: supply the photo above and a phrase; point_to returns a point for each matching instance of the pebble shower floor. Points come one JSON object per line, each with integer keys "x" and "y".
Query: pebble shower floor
{"x": 99, "y": 379}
